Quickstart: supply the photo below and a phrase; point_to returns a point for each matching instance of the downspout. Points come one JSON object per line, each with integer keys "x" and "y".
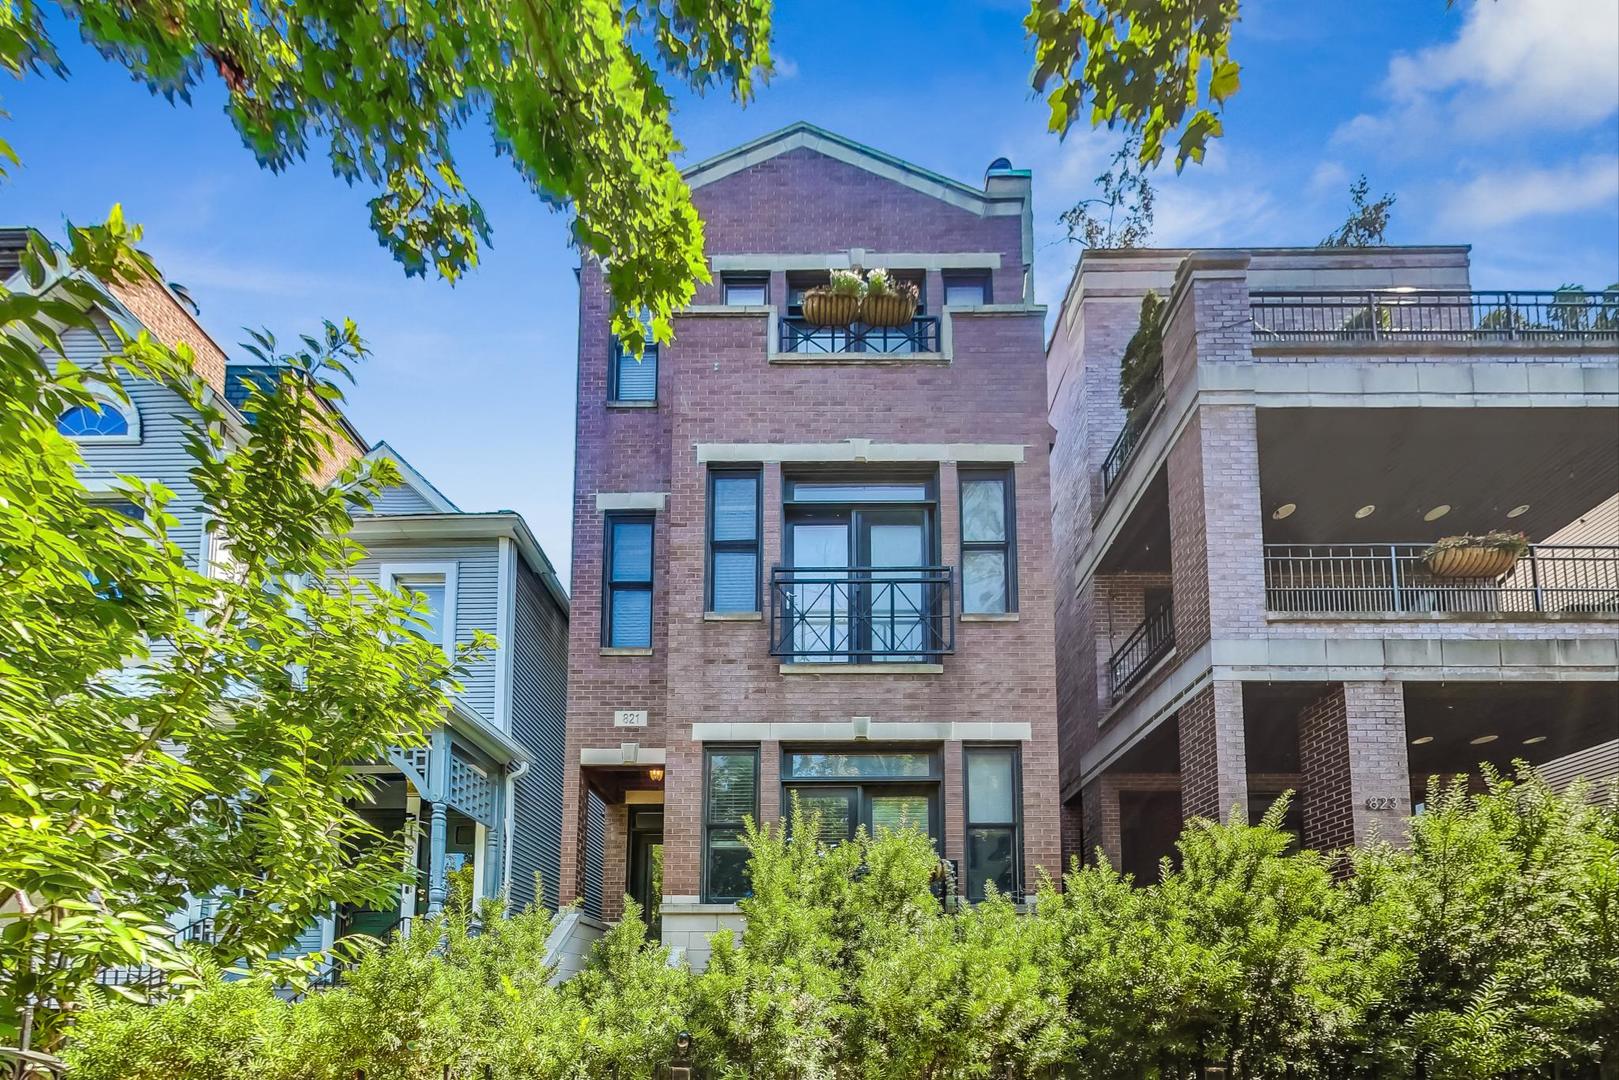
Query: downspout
{"x": 518, "y": 771}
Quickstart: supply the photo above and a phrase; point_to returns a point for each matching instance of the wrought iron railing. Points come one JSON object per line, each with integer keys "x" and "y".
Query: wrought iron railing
{"x": 1146, "y": 645}
{"x": 1124, "y": 447}
{"x": 1435, "y": 315}
{"x": 920, "y": 335}
{"x": 862, "y": 614}
{"x": 1393, "y": 579}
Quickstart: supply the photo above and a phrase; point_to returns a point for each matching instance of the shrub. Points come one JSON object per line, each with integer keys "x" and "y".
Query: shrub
{"x": 225, "y": 1032}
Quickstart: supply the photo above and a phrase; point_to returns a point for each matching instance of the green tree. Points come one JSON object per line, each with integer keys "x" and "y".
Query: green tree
{"x": 170, "y": 732}
{"x": 569, "y": 89}
{"x": 1367, "y": 221}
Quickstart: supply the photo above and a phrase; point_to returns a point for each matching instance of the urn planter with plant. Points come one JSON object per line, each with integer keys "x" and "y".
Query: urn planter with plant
{"x": 1487, "y": 556}
{"x": 889, "y": 302}
{"x": 837, "y": 303}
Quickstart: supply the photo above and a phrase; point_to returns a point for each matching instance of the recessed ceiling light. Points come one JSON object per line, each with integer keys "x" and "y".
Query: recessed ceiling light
{"x": 1533, "y": 739}
{"x": 1437, "y": 512}
{"x": 1284, "y": 511}
{"x": 1366, "y": 511}
{"x": 1519, "y": 510}
{"x": 1482, "y": 739}
{"x": 1422, "y": 740}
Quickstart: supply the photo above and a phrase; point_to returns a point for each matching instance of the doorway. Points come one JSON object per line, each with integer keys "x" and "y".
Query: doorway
{"x": 646, "y": 866}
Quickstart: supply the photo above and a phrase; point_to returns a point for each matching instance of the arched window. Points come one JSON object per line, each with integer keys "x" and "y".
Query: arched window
{"x": 102, "y": 420}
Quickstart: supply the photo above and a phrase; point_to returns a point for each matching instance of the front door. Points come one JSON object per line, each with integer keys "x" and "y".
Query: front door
{"x": 852, "y": 600}
{"x": 646, "y": 866}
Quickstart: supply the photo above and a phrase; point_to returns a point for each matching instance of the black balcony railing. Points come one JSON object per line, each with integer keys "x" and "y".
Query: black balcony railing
{"x": 1565, "y": 315}
{"x": 921, "y": 335}
{"x": 1146, "y": 645}
{"x": 862, "y": 614}
{"x": 1394, "y": 579}
{"x": 1124, "y": 447}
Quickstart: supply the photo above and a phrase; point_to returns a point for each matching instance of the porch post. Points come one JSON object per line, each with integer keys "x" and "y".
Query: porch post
{"x": 435, "y": 859}
{"x": 493, "y": 886}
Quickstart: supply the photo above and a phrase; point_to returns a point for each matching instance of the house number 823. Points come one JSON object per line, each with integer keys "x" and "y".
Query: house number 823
{"x": 1382, "y": 803}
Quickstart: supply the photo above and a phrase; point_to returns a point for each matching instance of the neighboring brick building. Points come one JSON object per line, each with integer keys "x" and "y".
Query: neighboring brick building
{"x": 1244, "y": 605}
{"x": 772, "y": 519}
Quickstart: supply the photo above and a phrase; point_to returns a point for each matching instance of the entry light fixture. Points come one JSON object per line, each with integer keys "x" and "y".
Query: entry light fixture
{"x": 1482, "y": 739}
{"x": 1422, "y": 740}
{"x": 1366, "y": 511}
{"x": 1533, "y": 739}
{"x": 1437, "y": 512}
{"x": 1518, "y": 511}
{"x": 655, "y": 773}
{"x": 1284, "y": 511}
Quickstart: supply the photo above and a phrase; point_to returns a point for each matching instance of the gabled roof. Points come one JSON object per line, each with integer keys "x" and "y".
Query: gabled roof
{"x": 413, "y": 478}
{"x": 804, "y": 135}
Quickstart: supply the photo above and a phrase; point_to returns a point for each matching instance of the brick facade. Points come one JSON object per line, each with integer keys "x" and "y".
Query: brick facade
{"x": 717, "y": 384}
{"x": 1357, "y": 779}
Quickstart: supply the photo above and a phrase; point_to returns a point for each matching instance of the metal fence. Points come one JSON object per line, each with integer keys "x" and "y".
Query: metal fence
{"x": 1435, "y": 315}
{"x": 862, "y": 613}
{"x": 1392, "y": 579}
{"x": 1146, "y": 645}
{"x": 1124, "y": 447}
{"x": 921, "y": 335}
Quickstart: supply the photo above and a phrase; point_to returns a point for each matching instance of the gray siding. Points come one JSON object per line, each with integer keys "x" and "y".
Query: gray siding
{"x": 539, "y": 692}
{"x": 595, "y": 828}
{"x": 160, "y": 456}
{"x": 477, "y": 588}
{"x": 401, "y": 499}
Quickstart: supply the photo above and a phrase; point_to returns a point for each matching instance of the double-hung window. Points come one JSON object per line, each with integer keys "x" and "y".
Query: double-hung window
{"x": 988, "y": 543}
{"x": 432, "y": 586}
{"x": 629, "y": 582}
{"x": 994, "y": 816}
{"x": 733, "y": 541}
{"x": 731, "y": 796}
{"x": 632, "y": 380}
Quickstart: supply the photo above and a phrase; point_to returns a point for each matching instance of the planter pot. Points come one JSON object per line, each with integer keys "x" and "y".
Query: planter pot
{"x": 826, "y": 309}
{"x": 1471, "y": 562}
{"x": 888, "y": 310}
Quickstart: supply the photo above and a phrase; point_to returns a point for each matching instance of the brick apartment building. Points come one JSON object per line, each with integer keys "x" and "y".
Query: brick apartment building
{"x": 1244, "y": 599}
{"x": 814, "y": 563}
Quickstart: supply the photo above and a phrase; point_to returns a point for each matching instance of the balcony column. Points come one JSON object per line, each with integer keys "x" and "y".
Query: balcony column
{"x": 1357, "y": 776}
{"x": 1214, "y": 754}
{"x": 435, "y": 857}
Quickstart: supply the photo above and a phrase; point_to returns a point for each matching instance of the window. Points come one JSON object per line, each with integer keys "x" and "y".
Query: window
{"x": 966, "y": 288}
{"x": 731, "y": 795}
{"x": 629, "y": 582}
{"x": 988, "y": 570}
{"x": 102, "y": 420}
{"x": 631, "y": 379}
{"x": 746, "y": 289}
{"x": 877, "y": 789}
{"x": 433, "y": 586}
{"x": 993, "y": 816}
{"x": 429, "y": 592}
{"x": 733, "y": 541}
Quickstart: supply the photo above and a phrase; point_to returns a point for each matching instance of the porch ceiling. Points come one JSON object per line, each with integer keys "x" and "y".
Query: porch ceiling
{"x": 1567, "y": 716}
{"x": 1481, "y": 462}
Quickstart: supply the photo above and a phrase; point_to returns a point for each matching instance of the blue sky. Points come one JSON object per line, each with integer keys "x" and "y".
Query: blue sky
{"x": 1494, "y": 122}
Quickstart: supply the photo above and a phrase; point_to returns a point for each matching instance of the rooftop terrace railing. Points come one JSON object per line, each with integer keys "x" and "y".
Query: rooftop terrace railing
{"x": 1395, "y": 579}
{"x": 1566, "y": 315}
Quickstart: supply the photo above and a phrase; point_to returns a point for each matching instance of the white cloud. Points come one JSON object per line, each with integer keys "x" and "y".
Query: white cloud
{"x": 1515, "y": 67}
{"x": 1329, "y": 176}
{"x": 784, "y": 68}
{"x": 1504, "y": 196}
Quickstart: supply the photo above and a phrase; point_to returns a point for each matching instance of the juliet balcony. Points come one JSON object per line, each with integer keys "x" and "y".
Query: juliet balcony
{"x": 862, "y": 614}
{"x": 920, "y": 335}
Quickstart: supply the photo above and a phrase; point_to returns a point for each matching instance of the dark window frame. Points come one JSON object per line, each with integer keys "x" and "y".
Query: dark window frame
{"x": 1008, "y": 546}
{"x": 932, "y": 784}
{"x": 617, "y": 356}
{"x": 610, "y": 521}
{"x": 984, "y": 279}
{"x": 756, "y": 545}
{"x": 709, "y": 825}
{"x": 1015, "y": 826}
{"x": 744, "y": 279}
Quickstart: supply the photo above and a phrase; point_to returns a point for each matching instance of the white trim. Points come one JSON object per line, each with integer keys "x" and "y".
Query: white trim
{"x": 813, "y": 668}
{"x": 621, "y": 755}
{"x": 849, "y": 731}
{"x": 506, "y": 629}
{"x": 389, "y": 573}
{"x": 464, "y": 526}
{"x": 861, "y": 450}
{"x": 105, "y": 402}
{"x": 412, "y": 478}
{"x": 631, "y": 500}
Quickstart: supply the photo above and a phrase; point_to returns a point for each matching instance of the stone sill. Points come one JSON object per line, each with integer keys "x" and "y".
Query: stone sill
{"x": 861, "y": 359}
{"x": 1441, "y": 616}
{"x": 1430, "y": 348}
{"x": 632, "y": 404}
{"x": 699, "y": 909}
{"x": 733, "y": 616}
{"x": 862, "y": 669}
{"x": 608, "y": 651}
{"x": 989, "y": 616}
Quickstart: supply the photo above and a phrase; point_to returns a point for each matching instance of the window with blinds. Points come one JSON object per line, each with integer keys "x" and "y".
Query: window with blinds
{"x": 731, "y": 797}
{"x": 631, "y": 379}
{"x": 629, "y": 582}
{"x": 733, "y": 540}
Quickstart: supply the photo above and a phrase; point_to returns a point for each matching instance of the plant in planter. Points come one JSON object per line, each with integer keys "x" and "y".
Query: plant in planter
{"x": 1468, "y": 556}
{"x": 889, "y": 301}
{"x": 837, "y": 303}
